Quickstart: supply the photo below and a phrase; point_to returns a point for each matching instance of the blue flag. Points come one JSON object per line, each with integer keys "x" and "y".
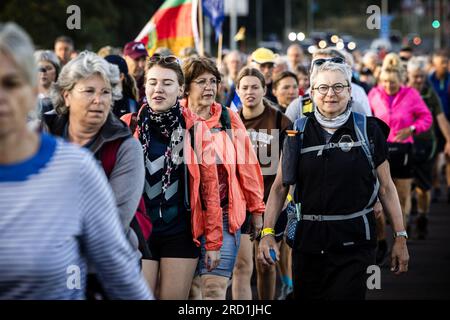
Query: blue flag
{"x": 236, "y": 103}
{"x": 214, "y": 10}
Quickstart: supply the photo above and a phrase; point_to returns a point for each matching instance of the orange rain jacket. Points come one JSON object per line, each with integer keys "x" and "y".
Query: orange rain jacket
{"x": 245, "y": 181}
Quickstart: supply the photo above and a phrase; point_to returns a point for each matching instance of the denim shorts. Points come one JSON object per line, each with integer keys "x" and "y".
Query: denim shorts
{"x": 228, "y": 253}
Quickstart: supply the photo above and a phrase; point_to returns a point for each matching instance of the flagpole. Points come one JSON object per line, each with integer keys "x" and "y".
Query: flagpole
{"x": 219, "y": 50}
{"x": 200, "y": 17}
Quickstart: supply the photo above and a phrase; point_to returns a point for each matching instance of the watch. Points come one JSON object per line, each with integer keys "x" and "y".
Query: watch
{"x": 401, "y": 234}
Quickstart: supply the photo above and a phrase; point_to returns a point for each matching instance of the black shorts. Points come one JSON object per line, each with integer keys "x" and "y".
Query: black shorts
{"x": 179, "y": 245}
{"x": 400, "y": 160}
{"x": 424, "y": 157}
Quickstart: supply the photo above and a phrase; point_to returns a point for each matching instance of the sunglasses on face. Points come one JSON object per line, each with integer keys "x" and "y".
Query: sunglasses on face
{"x": 165, "y": 59}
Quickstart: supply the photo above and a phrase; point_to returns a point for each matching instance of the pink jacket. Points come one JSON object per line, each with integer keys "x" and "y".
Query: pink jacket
{"x": 407, "y": 109}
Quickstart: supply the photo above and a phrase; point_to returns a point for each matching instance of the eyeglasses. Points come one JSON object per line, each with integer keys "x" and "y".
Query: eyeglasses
{"x": 337, "y": 88}
{"x": 203, "y": 82}
{"x": 156, "y": 58}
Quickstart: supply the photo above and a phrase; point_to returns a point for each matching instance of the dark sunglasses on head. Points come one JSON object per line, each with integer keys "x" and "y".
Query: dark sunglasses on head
{"x": 319, "y": 62}
{"x": 165, "y": 59}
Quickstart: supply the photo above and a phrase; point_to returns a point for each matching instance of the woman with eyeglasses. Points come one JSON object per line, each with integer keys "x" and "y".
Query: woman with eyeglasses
{"x": 239, "y": 175}
{"x": 303, "y": 104}
{"x": 181, "y": 189}
{"x": 83, "y": 97}
{"x": 406, "y": 114}
{"x": 338, "y": 161}
{"x": 58, "y": 213}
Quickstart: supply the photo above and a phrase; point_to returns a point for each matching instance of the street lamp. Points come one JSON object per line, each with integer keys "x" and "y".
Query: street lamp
{"x": 301, "y": 36}
{"x": 292, "y": 36}
{"x": 351, "y": 45}
{"x": 312, "y": 49}
{"x": 322, "y": 44}
{"x": 340, "y": 45}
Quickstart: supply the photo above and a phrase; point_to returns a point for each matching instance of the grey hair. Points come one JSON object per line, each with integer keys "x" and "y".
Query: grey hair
{"x": 50, "y": 56}
{"x": 348, "y": 57}
{"x": 281, "y": 60}
{"x": 369, "y": 56}
{"x": 15, "y": 43}
{"x": 417, "y": 63}
{"x": 85, "y": 65}
{"x": 332, "y": 66}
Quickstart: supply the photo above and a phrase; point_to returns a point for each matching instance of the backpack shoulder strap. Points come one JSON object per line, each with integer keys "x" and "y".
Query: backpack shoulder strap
{"x": 300, "y": 125}
{"x": 360, "y": 123}
{"x": 108, "y": 155}
{"x": 225, "y": 121}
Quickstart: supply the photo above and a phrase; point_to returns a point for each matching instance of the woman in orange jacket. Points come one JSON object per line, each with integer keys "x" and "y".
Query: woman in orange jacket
{"x": 181, "y": 187}
{"x": 240, "y": 179}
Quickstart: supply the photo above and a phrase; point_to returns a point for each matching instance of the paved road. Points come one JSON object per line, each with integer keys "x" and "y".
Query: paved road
{"x": 429, "y": 268}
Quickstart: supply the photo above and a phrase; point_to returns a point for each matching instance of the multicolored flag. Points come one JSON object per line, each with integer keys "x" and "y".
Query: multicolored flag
{"x": 174, "y": 25}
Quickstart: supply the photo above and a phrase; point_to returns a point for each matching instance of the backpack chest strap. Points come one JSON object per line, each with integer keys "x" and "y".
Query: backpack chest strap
{"x": 331, "y": 145}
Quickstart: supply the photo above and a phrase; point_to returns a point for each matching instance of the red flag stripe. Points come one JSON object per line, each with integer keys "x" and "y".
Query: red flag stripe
{"x": 174, "y": 22}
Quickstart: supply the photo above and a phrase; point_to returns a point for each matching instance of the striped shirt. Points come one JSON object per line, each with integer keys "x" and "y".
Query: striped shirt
{"x": 57, "y": 215}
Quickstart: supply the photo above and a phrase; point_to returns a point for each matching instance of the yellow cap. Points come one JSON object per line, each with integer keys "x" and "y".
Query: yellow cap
{"x": 263, "y": 55}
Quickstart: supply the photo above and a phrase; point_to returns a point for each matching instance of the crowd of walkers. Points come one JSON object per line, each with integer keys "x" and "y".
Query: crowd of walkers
{"x": 125, "y": 175}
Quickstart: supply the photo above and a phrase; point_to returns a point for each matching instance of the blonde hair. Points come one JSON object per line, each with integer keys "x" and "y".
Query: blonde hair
{"x": 392, "y": 65}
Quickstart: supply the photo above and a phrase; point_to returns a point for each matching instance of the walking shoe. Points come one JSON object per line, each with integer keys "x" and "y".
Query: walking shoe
{"x": 382, "y": 252}
{"x": 422, "y": 224}
{"x": 285, "y": 292}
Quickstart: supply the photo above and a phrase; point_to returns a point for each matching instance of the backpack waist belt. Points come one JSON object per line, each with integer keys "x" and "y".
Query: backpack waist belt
{"x": 313, "y": 217}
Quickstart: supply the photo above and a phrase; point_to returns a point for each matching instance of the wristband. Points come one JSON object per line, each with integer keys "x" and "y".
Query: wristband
{"x": 266, "y": 232}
